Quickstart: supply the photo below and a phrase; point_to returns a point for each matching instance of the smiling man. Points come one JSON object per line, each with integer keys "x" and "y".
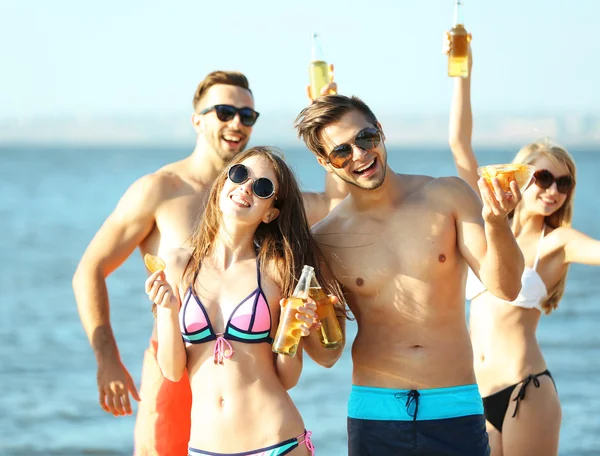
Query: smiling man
{"x": 400, "y": 245}
{"x": 158, "y": 213}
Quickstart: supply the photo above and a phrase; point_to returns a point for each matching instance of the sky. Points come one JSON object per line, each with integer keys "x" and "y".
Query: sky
{"x": 130, "y": 57}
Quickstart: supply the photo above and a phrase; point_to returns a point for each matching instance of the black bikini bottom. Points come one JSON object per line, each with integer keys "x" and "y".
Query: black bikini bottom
{"x": 496, "y": 405}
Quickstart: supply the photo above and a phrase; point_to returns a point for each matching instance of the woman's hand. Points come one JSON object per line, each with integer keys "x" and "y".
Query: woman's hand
{"x": 447, "y": 47}
{"x": 307, "y": 314}
{"x": 160, "y": 292}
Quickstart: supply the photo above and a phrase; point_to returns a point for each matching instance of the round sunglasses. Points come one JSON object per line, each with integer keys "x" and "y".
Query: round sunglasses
{"x": 225, "y": 113}
{"x": 262, "y": 187}
{"x": 544, "y": 179}
{"x": 366, "y": 139}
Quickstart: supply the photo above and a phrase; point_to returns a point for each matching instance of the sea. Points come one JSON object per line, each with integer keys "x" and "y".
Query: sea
{"x": 52, "y": 201}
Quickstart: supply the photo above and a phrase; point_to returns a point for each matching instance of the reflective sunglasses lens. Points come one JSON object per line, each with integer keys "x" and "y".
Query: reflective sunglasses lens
{"x": 248, "y": 116}
{"x": 238, "y": 174}
{"x": 340, "y": 155}
{"x": 368, "y": 139}
{"x": 263, "y": 187}
{"x": 225, "y": 113}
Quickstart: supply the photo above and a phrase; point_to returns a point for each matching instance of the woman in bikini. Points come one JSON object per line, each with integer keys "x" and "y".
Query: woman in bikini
{"x": 218, "y": 310}
{"x": 520, "y": 399}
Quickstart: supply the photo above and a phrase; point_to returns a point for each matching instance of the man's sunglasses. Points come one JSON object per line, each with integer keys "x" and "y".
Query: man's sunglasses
{"x": 262, "y": 187}
{"x": 544, "y": 179}
{"x": 225, "y": 113}
{"x": 366, "y": 139}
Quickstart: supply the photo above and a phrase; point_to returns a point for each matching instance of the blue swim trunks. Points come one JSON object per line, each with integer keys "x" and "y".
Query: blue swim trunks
{"x": 429, "y": 422}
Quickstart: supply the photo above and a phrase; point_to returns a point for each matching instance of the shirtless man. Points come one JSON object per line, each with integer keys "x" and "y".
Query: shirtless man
{"x": 157, "y": 213}
{"x": 400, "y": 245}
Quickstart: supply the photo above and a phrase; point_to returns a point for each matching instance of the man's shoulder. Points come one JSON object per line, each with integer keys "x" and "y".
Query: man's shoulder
{"x": 442, "y": 183}
{"x": 149, "y": 191}
{"x": 334, "y": 219}
{"x": 163, "y": 181}
{"x": 171, "y": 174}
{"x": 442, "y": 193}
{"x": 443, "y": 187}
{"x": 315, "y": 205}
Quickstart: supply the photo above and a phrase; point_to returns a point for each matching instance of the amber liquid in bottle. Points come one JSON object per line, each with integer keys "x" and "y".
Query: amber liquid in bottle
{"x": 458, "y": 57}
{"x": 330, "y": 333}
{"x": 289, "y": 333}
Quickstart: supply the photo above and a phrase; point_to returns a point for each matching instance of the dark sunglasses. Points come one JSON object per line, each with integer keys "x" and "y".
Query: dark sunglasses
{"x": 544, "y": 179}
{"x": 366, "y": 139}
{"x": 225, "y": 113}
{"x": 262, "y": 187}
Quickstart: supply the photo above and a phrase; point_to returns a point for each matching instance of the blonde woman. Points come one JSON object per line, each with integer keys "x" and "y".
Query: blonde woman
{"x": 520, "y": 398}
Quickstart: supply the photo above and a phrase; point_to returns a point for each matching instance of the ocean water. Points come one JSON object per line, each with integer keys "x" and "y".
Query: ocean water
{"x": 52, "y": 202}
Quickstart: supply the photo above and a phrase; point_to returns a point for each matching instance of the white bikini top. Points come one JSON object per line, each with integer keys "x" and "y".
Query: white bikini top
{"x": 533, "y": 289}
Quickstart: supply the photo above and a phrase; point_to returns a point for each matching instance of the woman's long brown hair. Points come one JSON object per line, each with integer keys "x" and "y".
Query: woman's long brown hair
{"x": 286, "y": 243}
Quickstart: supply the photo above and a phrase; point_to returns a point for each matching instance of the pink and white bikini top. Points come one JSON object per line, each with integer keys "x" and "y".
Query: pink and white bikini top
{"x": 250, "y": 321}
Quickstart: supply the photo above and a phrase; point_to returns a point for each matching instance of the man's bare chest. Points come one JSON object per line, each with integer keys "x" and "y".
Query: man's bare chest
{"x": 369, "y": 258}
{"x": 178, "y": 217}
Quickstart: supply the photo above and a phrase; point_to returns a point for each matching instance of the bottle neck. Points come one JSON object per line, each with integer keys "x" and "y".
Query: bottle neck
{"x": 303, "y": 285}
{"x": 317, "y": 52}
{"x": 458, "y": 13}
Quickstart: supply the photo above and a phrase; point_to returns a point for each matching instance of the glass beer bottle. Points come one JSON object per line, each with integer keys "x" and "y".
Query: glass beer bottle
{"x": 289, "y": 333}
{"x": 318, "y": 69}
{"x": 330, "y": 332}
{"x": 458, "y": 57}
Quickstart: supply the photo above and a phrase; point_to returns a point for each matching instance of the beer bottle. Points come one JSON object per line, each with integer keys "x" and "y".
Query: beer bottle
{"x": 318, "y": 69}
{"x": 458, "y": 57}
{"x": 289, "y": 333}
{"x": 330, "y": 332}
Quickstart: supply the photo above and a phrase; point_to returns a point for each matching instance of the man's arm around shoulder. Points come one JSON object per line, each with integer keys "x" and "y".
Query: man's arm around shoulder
{"x": 318, "y": 205}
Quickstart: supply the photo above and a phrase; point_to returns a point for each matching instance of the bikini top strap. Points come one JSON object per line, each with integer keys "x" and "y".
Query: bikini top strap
{"x": 258, "y": 272}
{"x": 539, "y": 248}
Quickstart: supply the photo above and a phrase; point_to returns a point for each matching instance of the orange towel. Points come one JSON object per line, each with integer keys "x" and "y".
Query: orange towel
{"x": 163, "y": 421}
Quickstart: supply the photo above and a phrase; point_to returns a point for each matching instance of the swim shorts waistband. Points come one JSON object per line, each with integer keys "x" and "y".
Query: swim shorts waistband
{"x": 369, "y": 403}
